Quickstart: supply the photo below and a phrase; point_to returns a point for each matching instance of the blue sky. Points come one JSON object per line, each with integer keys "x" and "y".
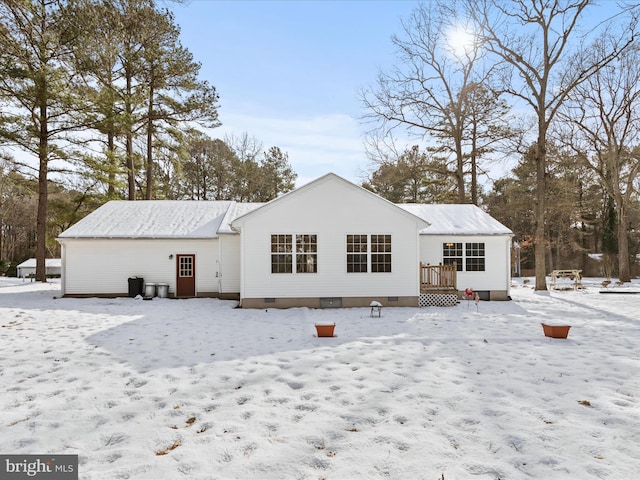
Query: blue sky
{"x": 288, "y": 72}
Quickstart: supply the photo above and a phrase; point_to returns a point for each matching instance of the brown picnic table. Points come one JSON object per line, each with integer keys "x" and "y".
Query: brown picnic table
{"x": 574, "y": 275}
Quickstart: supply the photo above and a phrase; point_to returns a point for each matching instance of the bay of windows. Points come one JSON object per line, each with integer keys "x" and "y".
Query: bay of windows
{"x": 282, "y": 253}
{"x": 364, "y": 251}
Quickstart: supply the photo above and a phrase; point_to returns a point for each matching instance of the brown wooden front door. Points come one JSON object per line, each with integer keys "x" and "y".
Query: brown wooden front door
{"x": 185, "y": 275}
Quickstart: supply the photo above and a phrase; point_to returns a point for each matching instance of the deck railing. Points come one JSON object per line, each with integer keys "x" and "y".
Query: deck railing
{"x": 438, "y": 277}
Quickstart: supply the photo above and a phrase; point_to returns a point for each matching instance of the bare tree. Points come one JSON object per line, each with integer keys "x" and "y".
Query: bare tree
{"x": 432, "y": 91}
{"x": 539, "y": 40}
{"x": 247, "y": 150}
{"x": 603, "y": 125}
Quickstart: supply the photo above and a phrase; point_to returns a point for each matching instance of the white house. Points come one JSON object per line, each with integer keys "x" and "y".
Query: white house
{"x": 28, "y": 267}
{"x": 327, "y": 243}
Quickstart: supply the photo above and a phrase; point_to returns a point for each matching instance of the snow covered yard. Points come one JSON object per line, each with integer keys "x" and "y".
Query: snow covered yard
{"x": 196, "y": 389}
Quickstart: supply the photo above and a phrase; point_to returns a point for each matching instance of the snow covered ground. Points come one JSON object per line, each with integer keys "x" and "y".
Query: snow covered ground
{"x": 195, "y": 389}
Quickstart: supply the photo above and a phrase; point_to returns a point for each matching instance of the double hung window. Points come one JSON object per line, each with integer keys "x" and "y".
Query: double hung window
{"x": 306, "y": 253}
{"x": 474, "y": 257}
{"x": 357, "y": 249}
{"x": 452, "y": 252}
{"x": 380, "y": 253}
{"x": 281, "y": 254}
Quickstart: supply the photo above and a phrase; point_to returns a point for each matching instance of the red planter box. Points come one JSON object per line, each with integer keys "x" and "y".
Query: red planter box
{"x": 325, "y": 330}
{"x": 556, "y": 331}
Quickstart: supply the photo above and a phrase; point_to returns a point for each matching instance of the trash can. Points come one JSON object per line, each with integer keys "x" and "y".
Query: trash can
{"x": 163, "y": 290}
{"x": 136, "y": 285}
{"x": 149, "y": 290}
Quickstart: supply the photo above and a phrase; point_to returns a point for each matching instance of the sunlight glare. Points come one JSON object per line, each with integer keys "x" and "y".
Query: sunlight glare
{"x": 461, "y": 41}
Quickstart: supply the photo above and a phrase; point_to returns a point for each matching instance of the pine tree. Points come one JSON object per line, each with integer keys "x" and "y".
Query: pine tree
{"x": 37, "y": 84}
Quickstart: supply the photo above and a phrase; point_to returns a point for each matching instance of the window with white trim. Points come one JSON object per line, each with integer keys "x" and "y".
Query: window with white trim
{"x": 474, "y": 257}
{"x": 471, "y": 258}
{"x": 380, "y": 253}
{"x": 282, "y": 253}
{"x": 368, "y": 253}
{"x": 452, "y": 252}
{"x": 357, "y": 253}
{"x": 306, "y": 253}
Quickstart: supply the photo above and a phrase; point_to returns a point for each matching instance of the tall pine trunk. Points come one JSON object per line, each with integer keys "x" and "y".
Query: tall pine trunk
{"x": 149, "y": 191}
{"x": 131, "y": 172}
{"x": 43, "y": 170}
{"x": 111, "y": 158}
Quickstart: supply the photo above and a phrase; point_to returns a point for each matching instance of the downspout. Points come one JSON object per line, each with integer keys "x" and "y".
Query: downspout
{"x": 63, "y": 269}
{"x": 509, "y": 242}
{"x": 419, "y": 258}
{"x": 219, "y": 262}
{"x": 237, "y": 230}
{"x": 242, "y": 273}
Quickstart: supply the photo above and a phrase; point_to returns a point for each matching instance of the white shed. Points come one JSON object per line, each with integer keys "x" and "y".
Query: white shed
{"x": 28, "y": 267}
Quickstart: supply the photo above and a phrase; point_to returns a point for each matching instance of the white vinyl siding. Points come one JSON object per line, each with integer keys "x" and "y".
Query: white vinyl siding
{"x": 103, "y": 266}
{"x": 228, "y": 272}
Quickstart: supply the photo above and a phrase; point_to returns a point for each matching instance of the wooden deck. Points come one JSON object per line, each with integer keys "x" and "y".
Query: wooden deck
{"x": 438, "y": 278}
